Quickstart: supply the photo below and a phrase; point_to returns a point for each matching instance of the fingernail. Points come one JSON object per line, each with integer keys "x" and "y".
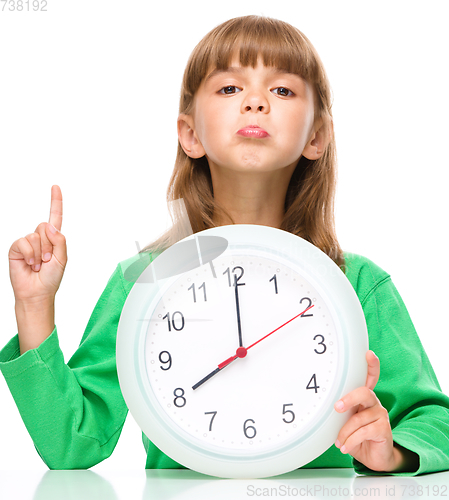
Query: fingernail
{"x": 52, "y": 228}
{"x": 31, "y": 261}
{"x": 47, "y": 256}
{"x": 339, "y": 405}
{"x": 337, "y": 443}
{"x": 36, "y": 267}
{"x": 343, "y": 449}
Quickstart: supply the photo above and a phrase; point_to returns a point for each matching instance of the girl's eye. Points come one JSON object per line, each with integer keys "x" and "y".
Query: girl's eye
{"x": 230, "y": 89}
{"x": 283, "y": 91}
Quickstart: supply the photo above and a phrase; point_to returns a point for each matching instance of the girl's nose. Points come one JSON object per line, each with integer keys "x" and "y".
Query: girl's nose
{"x": 256, "y": 102}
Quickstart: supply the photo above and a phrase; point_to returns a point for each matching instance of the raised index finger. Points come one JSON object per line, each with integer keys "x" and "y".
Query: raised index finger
{"x": 56, "y": 207}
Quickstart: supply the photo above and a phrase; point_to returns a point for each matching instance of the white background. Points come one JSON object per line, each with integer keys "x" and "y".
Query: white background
{"x": 88, "y": 100}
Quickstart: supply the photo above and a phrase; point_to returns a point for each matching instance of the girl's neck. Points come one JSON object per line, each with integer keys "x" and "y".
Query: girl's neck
{"x": 251, "y": 198}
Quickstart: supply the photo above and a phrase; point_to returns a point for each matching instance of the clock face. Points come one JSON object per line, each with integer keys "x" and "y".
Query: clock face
{"x": 238, "y": 362}
{"x": 273, "y": 394}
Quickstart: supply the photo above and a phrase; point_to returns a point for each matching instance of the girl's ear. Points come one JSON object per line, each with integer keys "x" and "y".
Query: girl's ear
{"x": 187, "y": 137}
{"x": 322, "y": 135}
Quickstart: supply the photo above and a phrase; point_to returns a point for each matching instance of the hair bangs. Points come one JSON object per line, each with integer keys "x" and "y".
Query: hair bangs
{"x": 277, "y": 44}
{"x": 249, "y": 38}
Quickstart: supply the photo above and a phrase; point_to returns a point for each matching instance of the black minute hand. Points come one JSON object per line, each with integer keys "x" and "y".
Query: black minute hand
{"x": 237, "y": 305}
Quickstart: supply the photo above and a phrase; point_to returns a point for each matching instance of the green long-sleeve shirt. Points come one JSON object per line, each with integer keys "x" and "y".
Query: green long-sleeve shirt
{"x": 75, "y": 412}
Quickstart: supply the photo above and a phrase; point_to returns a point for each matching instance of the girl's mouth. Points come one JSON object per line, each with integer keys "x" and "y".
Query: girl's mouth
{"x": 253, "y": 131}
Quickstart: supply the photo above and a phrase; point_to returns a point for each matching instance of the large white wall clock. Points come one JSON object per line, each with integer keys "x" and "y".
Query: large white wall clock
{"x": 233, "y": 349}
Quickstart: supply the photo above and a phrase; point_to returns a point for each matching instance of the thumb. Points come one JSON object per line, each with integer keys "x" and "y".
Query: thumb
{"x": 57, "y": 239}
{"x": 372, "y": 376}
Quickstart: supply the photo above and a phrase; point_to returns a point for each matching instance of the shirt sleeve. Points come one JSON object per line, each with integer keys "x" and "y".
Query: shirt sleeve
{"x": 407, "y": 387}
{"x": 74, "y": 412}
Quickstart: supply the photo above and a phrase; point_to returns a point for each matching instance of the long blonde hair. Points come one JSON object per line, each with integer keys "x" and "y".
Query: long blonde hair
{"x": 309, "y": 203}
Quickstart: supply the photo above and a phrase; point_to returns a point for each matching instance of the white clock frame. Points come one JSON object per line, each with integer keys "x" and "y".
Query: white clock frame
{"x": 331, "y": 283}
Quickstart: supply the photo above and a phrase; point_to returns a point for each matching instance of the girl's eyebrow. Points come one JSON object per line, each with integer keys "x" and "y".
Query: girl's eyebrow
{"x": 239, "y": 70}
{"x": 231, "y": 69}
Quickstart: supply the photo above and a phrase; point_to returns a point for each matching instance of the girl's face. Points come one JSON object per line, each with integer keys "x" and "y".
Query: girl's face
{"x": 230, "y": 104}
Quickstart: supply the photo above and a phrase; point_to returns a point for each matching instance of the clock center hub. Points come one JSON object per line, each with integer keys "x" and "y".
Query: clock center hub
{"x": 241, "y": 352}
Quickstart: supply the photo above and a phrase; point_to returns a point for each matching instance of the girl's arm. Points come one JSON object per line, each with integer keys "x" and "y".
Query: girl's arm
{"x": 74, "y": 412}
{"x": 367, "y": 435}
{"x": 418, "y": 411}
{"x": 36, "y": 266}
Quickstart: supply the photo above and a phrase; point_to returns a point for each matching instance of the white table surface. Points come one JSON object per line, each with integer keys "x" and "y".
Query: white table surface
{"x": 186, "y": 484}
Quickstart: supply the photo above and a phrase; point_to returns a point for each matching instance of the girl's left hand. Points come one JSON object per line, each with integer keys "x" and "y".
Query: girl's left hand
{"x": 367, "y": 434}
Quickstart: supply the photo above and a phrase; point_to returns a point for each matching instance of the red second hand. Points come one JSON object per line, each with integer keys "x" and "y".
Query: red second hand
{"x": 242, "y": 351}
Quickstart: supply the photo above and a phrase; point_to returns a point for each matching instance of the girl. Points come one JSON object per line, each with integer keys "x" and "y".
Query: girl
{"x": 256, "y": 146}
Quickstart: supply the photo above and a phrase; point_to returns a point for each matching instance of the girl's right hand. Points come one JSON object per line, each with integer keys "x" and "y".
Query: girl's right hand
{"x": 37, "y": 261}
